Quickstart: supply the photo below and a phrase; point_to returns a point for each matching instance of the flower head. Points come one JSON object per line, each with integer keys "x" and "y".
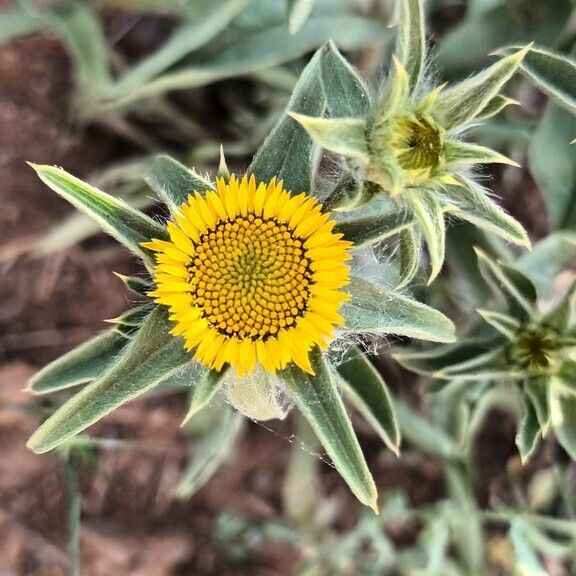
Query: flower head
{"x": 252, "y": 274}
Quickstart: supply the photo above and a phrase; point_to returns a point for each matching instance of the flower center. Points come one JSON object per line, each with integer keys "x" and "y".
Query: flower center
{"x": 419, "y": 143}
{"x": 250, "y": 276}
{"x": 534, "y": 348}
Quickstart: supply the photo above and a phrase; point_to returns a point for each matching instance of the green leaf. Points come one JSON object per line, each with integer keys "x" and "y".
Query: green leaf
{"x": 458, "y": 105}
{"x": 510, "y": 284}
{"x": 173, "y": 181}
{"x": 136, "y": 284}
{"x": 205, "y": 390}
{"x": 553, "y": 73}
{"x": 475, "y": 206}
{"x": 318, "y": 399}
{"x": 410, "y": 247}
{"x": 411, "y": 40}
{"x": 298, "y": 12}
{"x": 211, "y": 453}
{"x": 187, "y": 38}
{"x": 135, "y": 316}
{"x": 127, "y": 225}
{"x": 494, "y": 107}
{"x": 528, "y": 431}
{"x": 367, "y": 390}
{"x": 374, "y": 310}
{"x": 346, "y": 136}
{"x": 561, "y": 316}
{"x": 152, "y": 355}
{"x": 537, "y": 389}
{"x": 466, "y": 153}
{"x": 563, "y": 415}
{"x": 82, "y": 364}
{"x": 345, "y": 91}
{"x": 548, "y": 258}
{"x": 527, "y": 561}
{"x": 81, "y": 30}
{"x": 552, "y": 163}
{"x": 16, "y": 24}
{"x": 365, "y": 228}
{"x": 508, "y": 326}
{"x": 492, "y": 365}
{"x": 428, "y": 212}
{"x": 287, "y": 151}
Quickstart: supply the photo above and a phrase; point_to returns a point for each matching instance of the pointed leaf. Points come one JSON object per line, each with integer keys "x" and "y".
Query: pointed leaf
{"x": 374, "y": 310}
{"x": 173, "y": 182}
{"x": 466, "y": 153}
{"x": 515, "y": 289}
{"x": 205, "y": 390}
{"x": 287, "y": 151}
{"x": 561, "y": 316}
{"x": 563, "y": 416}
{"x": 552, "y": 72}
{"x": 411, "y": 40}
{"x": 475, "y": 206}
{"x": 318, "y": 399}
{"x": 344, "y": 136}
{"x": 346, "y": 94}
{"x": 410, "y": 248}
{"x": 494, "y": 107}
{"x": 80, "y": 365}
{"x": 492, "y": 365}
{"x": 428, "y": 212}
{"x": 152, "y": 355}
{"x": 136, "y": 284}
{"x": 367, "y": 391}
{"x": 537, "y": 389}
{"x": 127, "y": 225}
{"x": 529, "y": 432}
{"x": 506, "y": 325}
{"x": 527, "y": 561}
{"x": 459, "y": 104}
{"x": 135, "y": 316}
{"x": 211, "y": 453}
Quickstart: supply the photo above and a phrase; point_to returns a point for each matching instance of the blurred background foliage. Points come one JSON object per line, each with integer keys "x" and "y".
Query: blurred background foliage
{"x": 204, "y": 74}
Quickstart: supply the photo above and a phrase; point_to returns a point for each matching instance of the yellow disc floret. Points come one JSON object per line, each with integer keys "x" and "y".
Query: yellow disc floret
{"x": 252, "y": 274}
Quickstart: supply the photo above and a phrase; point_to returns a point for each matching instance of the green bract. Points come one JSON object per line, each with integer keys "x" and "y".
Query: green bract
{"x": 522, "y": 341}
{"x": 139, "y": 353}
{"x": 408, "y": 146}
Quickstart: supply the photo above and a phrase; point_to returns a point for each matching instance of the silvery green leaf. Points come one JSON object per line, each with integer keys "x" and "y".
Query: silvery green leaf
{"x": 298, "y": 12}
{"x": 428, "y": 212}
{"x": 430, "y": 361}
{"x": 527, "y": 561}
{"x": 494, "y": 107}
{"x": 210, "y": 453}
{"x": 561, "y": 316}
{"x": 466, "y": 153}
{"x": 82, "y": 364}
{"x": 552, "y": 163}
{"x": 510, "y": 285}
{"x": 394, "y": 96}
{"x": 17, "y": 24}
{"x": 562, "y": 414}
{"x": 553, "y": 73}
{"x": 152, "y": 355}
{"x": 345, "y": 136}
{"x": 345, "y": 91}
{"x": 120, "y": 220}
{"x": 458, "y": 105}
{"x": 411, "y": 40}
{"x": 425, "y": 435}
{"x": 318, "y": 399}
{"x": 549, "y": 257}
{"x": 492, "y": 365}
{"x": 529, "y": 433}
{"x": 287, "y": 151}
{"x": 173, "y": 181}
{"x": 410, "y": 248}
{"x": 475, "y": 206}
{"x": 368, "y": 392}
{"x": 187, "y": 38}
{"x": 135, "y": 316}
{"x": 204, "y": 391}
{"x": 507, "y": 325}
{"x": 374, "y": 310}
{"x": 538, "y": 389}
{"x": 370, "y": 228}
{"x": 137, "y": 285}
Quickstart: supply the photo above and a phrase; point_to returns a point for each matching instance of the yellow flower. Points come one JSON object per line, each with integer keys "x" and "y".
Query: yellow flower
{"x": 252, "y": 274}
